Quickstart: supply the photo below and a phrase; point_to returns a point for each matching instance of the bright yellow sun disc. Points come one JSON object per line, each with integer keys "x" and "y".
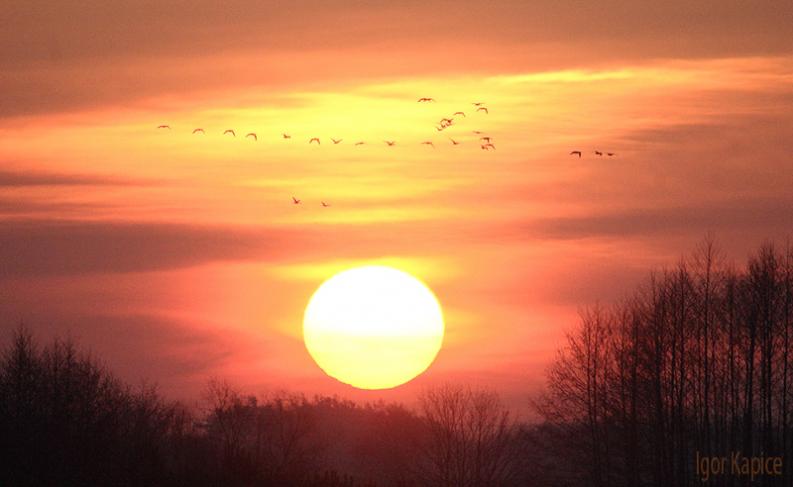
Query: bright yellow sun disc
{"x": 373, "y": 327}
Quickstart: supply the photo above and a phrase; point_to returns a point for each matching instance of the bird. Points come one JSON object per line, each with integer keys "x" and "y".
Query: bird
{"x": 478, "y": 103}
{"x": 440, "y": 129}
{"x": 389, "y": 142}
{"x": 425, "y": 99}
{"x": 164, "y": 127}
{"x": 325, "y": 204}
{"x": 360, "y": 143}
{"x": 477, "y": 132}
{"x": 486, "y": 138}
{"x": 609, "y": 154}
{"x": 445, "y": 122}
{"x": 578, "y": 152}
{"x": 252, "y": 134}
{"x": 598, "y": 153}
{"x": 286, "y": 136}
{"x": 429, "y": 143}
{"x": 230, "y": 131}
{"x": 483, "y": 109}
{"x": 336, "y": 141}
{"x": 460, "y": 113}
{"x": 195, "y": 131}
{"x": 454, "y": 142}
{"x": 488, "y": 146}
{"x": 313, "y": 139}
{"x": 295, "y": 201}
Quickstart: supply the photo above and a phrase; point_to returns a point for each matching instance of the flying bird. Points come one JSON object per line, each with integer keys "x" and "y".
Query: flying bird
{"x": 609, "y": 154}
{"x": 480, "y": 109}
{"x": 488, "y": 146}
{"x": 325, "y": 204}
{"x": 576, "y": 152}
{"x": 314, "y": 139}
{"x": 252, "y": 134}
{"x": 445, "y": 122}
{"x": 425, "y": 99}
{"x": 389, "y": 142}
{"x": 195, "y": 131}
{"x": 164, "y": 127}
{"x": 486, "y": 138}
{"x": 440, "y": 129}
{"x": 336, "y": 141}
{"x": 427, "y": 142}
{"x": 478, "y": 103}
{"x": 460, "y": 113}
{"x": 454, "y": 142}
{"x": 286, "y": 136}
{"x": 295, "y": 201}
{"x": 598, "y": 153}
{"x": 230, "y": 131}
{"x": 360, "y": 143}
{"x": 477, "y": 132}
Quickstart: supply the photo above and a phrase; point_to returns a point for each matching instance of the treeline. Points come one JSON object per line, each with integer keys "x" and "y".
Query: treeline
{"x": 696, "y": 362}
{"x": 65, "y": 420}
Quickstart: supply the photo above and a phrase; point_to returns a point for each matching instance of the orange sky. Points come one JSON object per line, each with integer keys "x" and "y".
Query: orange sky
{"x": 176, "y": 257}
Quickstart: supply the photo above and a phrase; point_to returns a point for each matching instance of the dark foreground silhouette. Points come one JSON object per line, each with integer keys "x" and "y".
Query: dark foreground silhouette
{"x": 696, "y": 362}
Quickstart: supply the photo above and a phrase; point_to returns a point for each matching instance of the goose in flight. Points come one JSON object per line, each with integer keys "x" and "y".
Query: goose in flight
{"x": 425, "y": 99}
{"x": 195, "y": 131}
{"x": 252, "y": 134}
{"x": 429, "y": 143}
{"x": 477, "y": 132}
{"x": 478, "y": 103}
{"x": 483, "y": 109}
{"x": 230, "y": 131}
{"x": 576, "y": 152}
{"x": 459, "y": 113}
{"x": 454, "y": 142}
{"x": 314, "y": 139}
{"x": 164, "y": 127}
{"x": 325, "y": 204}
{"x": 488, "y": 146}
{"x": 445, "y": 122}
{"x": 295, "y": 201}
{"x": 598, "y": 153}
{"x": 390, "y": 143}
{"x": 486, "y": 138}
{"x": 336, "y": 141}
{"x": 360, "y": 143}
{"x": 286, "y": 136}
{"x": 609, "y": 154}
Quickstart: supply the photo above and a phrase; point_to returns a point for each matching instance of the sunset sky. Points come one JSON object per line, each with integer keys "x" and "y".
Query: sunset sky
{"x": 177, "y": 257}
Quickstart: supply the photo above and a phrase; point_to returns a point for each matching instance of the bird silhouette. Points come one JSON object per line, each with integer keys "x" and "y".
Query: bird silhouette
{"x": 454, "y": 142}
{"x": 164, "y": 127}
{"x": 578, "y": 152}
{"x": 325, "y": 204}
{"x": 314, "y": 139}
{"x": 425, "y": 99}
{"x": 360, "y": 143}
{"x": 390, "y": 143}
{"x": 460, "y": 113}
{"x": 477, "y": 132}
{"x": 286, "y": 136}
{"x": 478, "y": 103}
{"x": 195, "y": 131}
{"x": 427, "y": 142}
{"x": 486, "y": 138}
{"x": 445, "y": 122}
{"x": 598, "y": 153}
{"x": 609, "y": 154}
{"x": 336, "y": 141}
{"x": 230, "y": 131}
{"x": 252, "y": 134}
{"x": 295, "y": 201}
{"x": 488, "y": 146}
{"x": 483, "y": 109}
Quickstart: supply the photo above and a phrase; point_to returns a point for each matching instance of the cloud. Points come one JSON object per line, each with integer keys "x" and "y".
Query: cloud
{"x": 58, "y": 247}
{"x": 19, "y": 179}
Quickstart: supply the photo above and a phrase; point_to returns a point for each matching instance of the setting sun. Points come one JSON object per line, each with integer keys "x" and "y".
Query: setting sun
{"x": 373, "y": 327}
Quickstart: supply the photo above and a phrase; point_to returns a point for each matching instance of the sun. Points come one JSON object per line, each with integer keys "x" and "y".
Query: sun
{"x": 373, "y": 327}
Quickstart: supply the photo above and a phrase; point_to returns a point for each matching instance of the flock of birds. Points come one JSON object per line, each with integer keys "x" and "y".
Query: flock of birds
{"x": 485, "y": 141}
